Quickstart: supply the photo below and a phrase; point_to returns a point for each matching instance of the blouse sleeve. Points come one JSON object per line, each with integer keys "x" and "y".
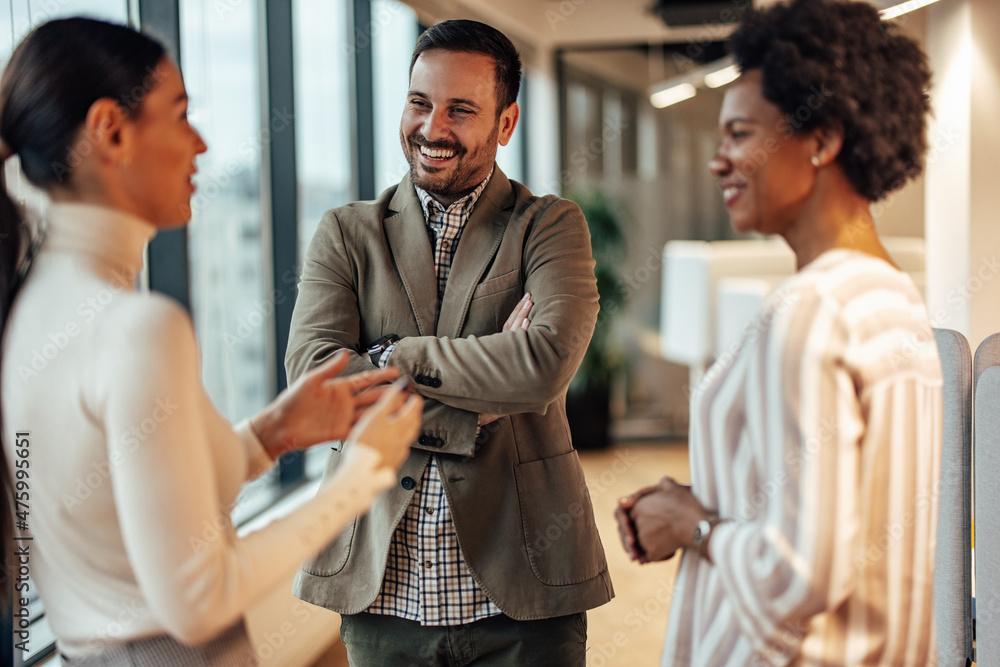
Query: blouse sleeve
{"x": 258, "y": 460}
{"x": 786, "y": 555}
{"x": 166, "y": 493}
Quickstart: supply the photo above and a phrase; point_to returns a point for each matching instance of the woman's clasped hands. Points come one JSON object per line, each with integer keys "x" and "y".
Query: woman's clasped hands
{"x": 656, "y": 521}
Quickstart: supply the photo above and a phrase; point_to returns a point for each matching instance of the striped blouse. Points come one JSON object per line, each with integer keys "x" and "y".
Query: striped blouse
{"x": 818, "y": 436}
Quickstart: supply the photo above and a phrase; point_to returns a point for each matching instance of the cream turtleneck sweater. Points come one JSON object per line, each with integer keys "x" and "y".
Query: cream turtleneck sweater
{"x": 132, "y": 470}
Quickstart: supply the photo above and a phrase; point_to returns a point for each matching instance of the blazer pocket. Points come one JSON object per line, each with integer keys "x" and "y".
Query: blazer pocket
{"x": 557, "y": 516}
{"x": 333, "y": 558}
{"x": 499, "y": 284}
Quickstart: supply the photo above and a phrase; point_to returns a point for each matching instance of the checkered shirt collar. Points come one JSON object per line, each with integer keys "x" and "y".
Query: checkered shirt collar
{"x": 433, "y": 209}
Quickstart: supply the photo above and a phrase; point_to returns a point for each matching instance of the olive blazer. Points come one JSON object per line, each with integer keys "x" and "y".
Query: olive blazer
{"x": 521, "y": 508}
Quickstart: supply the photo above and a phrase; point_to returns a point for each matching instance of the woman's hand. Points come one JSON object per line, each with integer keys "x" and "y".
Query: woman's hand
{"x": 661, "y": 519}
{"x": 626, "y": 526}
{"x": 319, "y": 407}
{"x": 391, "y": 424}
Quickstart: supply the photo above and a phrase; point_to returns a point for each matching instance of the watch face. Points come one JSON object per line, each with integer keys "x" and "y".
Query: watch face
{"x": 703, "y": 528}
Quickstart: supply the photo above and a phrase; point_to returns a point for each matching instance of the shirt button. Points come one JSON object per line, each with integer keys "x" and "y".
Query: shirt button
{"x": 445, "y": 245}
{"x": 428, "y": 564}
{"x": 429, "y": 510}
{"x": 407, "y": 483}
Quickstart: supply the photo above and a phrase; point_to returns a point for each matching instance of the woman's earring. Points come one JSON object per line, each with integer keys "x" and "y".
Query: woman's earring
{"x": 815, "y": 161}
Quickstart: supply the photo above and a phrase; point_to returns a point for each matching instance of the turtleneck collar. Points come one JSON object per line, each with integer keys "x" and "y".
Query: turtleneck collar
{"x": 113, "y": 240}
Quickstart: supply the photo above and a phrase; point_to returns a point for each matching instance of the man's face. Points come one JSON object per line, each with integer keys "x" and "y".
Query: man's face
{"x": 450, "y": 129}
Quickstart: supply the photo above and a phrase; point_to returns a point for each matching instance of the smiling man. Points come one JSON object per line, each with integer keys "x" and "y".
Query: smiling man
{"x": 487, "y": 551}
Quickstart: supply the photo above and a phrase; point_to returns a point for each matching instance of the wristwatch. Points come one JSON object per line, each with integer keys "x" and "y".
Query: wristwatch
{"x": 702, "y": 532}
{"x": 376, "y": 349}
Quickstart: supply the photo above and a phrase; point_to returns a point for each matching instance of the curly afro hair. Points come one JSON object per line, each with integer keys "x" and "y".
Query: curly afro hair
{"x": 828, "y": 64}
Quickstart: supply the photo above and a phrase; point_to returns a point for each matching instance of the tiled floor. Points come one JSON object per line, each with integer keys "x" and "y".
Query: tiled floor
{"x": 629, "y": 630}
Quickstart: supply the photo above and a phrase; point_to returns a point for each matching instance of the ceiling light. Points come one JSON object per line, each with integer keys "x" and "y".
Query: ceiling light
{"x": 684, "y": 86}
{"x": 672, "y": 95}
{"x": 721, "y": 77}
{"x": 903, "y": 8}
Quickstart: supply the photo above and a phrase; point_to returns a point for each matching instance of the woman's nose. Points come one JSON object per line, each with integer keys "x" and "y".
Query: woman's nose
{"x": 719, "y": 165}
{"x": 200, "y": 143}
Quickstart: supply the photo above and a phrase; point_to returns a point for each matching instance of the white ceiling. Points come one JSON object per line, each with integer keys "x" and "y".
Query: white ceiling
{"x": 555, "y": 23}
{"x": 568, "y": 23}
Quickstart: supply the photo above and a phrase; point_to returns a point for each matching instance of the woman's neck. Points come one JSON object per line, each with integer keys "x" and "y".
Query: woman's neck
{"x": 86, "y": 186}
{"x": 836, "y": 216}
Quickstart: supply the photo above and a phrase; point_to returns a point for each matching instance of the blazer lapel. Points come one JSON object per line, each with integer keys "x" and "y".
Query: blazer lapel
{"x": 479, "y": 243}
{"x": 406, "y": 232}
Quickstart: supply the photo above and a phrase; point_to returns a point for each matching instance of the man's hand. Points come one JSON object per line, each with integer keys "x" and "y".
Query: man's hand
{"x": 319, "y": 406}
{"x": 518, "y": 319}
{"x": 656, "y": 521}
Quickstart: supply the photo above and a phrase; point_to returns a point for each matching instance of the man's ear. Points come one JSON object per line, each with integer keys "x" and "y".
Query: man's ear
{"x": 507, "y": 123}
{"x": 828, "y": 143}
{"x": 103, "y": 132}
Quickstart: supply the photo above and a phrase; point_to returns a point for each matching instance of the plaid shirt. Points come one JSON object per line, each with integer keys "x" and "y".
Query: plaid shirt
{"x": 426, "y": 578}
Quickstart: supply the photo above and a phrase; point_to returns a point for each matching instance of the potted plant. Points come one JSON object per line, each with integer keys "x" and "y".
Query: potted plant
{"x": 588, "y": 402}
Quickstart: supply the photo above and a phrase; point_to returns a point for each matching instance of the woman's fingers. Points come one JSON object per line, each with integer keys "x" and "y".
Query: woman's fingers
{"x": 412, "y": 410}
{"x": 392, "y": 397}
{"x": 360, "y": 382}
{"x": 370, "y": 395}
{"x": 626, "y": 531}
{"x": 382, "y": 400}
{"x": 332, "y": 367}
{"x": 628, "y": 502}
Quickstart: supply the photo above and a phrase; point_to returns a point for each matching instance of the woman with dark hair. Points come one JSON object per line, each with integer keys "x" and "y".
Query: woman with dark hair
{"x": 125, "y": 471}
{"x": 809, "y": 526}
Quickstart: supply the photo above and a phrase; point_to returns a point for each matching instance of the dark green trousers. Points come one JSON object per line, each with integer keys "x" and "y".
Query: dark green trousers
{"x": 374, "y": 640}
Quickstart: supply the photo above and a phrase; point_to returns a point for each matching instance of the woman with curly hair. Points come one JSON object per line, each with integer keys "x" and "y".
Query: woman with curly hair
{"x": 809, "y": 527}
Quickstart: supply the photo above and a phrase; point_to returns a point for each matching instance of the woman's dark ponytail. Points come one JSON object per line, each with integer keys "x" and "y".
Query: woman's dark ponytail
{"x": 13, "y": 240}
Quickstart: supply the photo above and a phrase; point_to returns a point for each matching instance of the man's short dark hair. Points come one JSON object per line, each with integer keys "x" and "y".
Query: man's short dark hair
{"x": 464, "y": 36}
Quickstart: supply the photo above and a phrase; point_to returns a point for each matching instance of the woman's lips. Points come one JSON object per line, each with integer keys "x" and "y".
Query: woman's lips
{"x": 731, "y": 192}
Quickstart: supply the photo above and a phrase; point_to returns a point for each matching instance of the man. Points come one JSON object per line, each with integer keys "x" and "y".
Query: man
{"x": 486, "y": 552}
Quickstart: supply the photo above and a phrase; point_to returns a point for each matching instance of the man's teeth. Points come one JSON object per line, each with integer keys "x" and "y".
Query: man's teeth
{"x": 439, "y": 153}
{"x": 729, "y": 192}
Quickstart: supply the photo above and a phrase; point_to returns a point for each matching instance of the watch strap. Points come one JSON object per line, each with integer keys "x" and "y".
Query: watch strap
{"x": 378, "y": 348}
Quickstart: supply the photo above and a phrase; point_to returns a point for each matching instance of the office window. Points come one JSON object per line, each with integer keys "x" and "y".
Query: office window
{"x": 619, "y": 133}
{"x": 17, "y": 17}
{"x": 322, "y": 111}
{"x": 394, "y": 31}
{"x": 510, "y": 158}
{"x": 231, "y": 306}
{"x": 583, "y": 151}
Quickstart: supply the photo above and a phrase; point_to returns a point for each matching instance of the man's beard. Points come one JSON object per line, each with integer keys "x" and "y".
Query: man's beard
{"x": 467, "y": 174}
